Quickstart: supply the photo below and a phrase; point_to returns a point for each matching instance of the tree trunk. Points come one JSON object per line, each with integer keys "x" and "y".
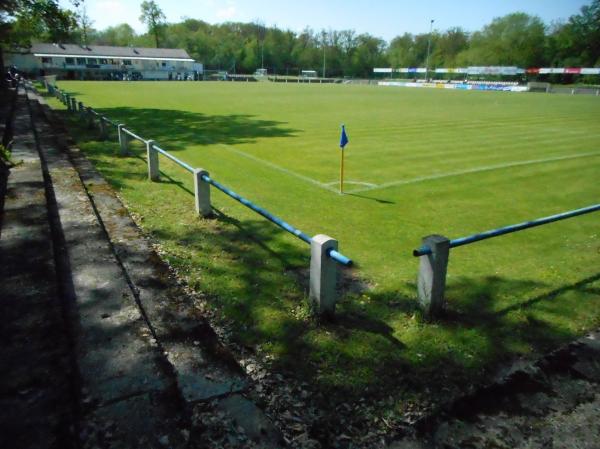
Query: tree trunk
{"x": 3, "y": 82}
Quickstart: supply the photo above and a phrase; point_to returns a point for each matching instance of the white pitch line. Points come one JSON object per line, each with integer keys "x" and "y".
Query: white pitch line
{"x": 368, "y": 184}
{"x": 474, "y": 170}
{"x": 272, "y": 165}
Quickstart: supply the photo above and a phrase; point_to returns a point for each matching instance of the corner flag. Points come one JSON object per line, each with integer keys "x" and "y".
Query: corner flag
{"x": 343, "y": 142}
{"x": 344, "y": 138}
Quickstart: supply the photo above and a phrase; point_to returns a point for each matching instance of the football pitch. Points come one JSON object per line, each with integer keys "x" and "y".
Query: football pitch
{"x": 419, "y": 162}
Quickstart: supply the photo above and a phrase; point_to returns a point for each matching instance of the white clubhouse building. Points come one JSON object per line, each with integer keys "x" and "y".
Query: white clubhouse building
{"x": 71, "y": 61}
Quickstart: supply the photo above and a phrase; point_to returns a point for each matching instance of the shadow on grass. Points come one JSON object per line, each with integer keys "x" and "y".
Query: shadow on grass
{"x": 366, "y": 197}
{"x": 255, "y": 275}
{"x": 176, "y": 130}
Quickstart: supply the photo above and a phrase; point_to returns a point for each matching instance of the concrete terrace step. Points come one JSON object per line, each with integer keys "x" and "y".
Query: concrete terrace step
{"x": 127, "y": 394}
{"x": 132, "y": 312}
{"x": 36, "y": 400}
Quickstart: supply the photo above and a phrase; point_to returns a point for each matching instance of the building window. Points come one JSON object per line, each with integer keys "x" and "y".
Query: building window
{"x": 46, "y": 60}
{"x": 164, "y": 64}
{"x": 80, "y": 61}
{"x": 69, "y": 61}
{"x": 103, "y": 61}
{"x": 92, "y": 61}
{"x": 127, "y": 61}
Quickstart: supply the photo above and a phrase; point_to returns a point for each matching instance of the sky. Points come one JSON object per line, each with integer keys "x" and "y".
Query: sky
{"x": 382, "y": 18}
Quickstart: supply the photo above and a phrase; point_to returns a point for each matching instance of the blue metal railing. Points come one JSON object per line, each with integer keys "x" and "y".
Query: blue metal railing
{"x": 425, "y": 250}
{"x": 135, "y": 136}
{"x": 338, "y": 257}
{"x": 173, "y": 158}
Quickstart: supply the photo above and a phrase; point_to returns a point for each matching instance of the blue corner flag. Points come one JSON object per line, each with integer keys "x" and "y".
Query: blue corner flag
{"x": 344, "y": 138}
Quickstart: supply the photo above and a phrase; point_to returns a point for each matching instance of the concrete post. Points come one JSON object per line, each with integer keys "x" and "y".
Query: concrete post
{"x": 103, "y": 130}
{"x": 152, "y": 158}
{"x": 90, "y": 117}
{"x": 73, "y": 104}
{"x": 432, "y": 275}
{"x": 81, "y": 110}
{"x": 323, "y": 275}
{"x": 202, "y": 193}
{"x": 67, "y": 101}
{"x": 122, "y": 139}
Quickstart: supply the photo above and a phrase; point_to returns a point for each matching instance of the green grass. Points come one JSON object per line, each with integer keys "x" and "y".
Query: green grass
{"x": 419, "y": 162}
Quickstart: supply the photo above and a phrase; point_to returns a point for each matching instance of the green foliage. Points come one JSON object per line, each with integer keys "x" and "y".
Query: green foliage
{"x": 577, "y": 42}
{"x": 24, "y": 20}
{"x": 5, "y": 157}
{"x": 514, "y": 40}
{"x": 153, "y": 16}
{"x": 120, "y": 35}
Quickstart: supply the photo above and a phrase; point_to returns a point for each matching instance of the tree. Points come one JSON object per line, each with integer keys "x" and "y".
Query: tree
{"x": 85, "y": 24}
{"x": 154, "y": 18}
{"x": 401, "y": 52}
{"x": 516, "y": 39}
{"x": 120, "y": 35}
{"x": 24, "y": 20}
{"x": 577, "y": 42}
{"x": 448, "y": 46}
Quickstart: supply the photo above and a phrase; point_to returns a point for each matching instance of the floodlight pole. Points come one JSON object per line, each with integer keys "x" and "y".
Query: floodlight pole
{"x": 428, "y": 49}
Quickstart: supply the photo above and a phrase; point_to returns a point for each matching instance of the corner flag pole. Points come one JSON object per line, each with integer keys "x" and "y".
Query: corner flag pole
{"x": 342, "y": 173}
{"x": 343, "y": 142}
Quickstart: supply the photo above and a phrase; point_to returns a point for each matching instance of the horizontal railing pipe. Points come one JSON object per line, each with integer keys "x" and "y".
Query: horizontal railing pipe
{"x": 338, "y": 257}
{"x": 174, "y": 159}
{"x": 107, "y": 120}
{"x": 425, "y": 250}
{"x": 135, "y": 136}
{"x": 259, "y": 210}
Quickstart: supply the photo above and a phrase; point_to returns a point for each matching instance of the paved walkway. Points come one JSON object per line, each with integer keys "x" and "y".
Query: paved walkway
{"x": 101, "y": 347}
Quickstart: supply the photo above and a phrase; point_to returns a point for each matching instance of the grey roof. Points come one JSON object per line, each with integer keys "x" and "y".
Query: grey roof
{"x": 107, "y": 51}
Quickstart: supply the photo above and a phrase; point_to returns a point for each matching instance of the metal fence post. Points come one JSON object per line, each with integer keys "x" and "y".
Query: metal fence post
{"x": 432, "y": 275}
{"x": 202, "y": 193}
{"x": 122, "y": 139}
{"x": 152, "y": 158}
{"x": 323, "y": 275}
